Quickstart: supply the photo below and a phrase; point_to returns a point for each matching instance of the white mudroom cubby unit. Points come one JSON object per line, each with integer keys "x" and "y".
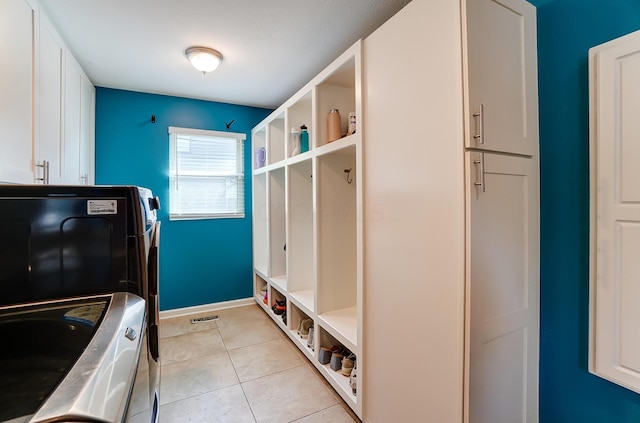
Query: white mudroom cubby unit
{"x": 307, "y": 217}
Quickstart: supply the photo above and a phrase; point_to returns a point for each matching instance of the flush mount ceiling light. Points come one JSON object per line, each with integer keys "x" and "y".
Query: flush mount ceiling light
{"x": 204, "y": 59}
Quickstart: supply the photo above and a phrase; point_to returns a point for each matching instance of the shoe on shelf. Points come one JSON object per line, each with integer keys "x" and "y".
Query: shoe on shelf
{"x": 265, "y": 298}
{"x": 348, "y": 363}
{"x": 336, "y": 360}
{"x": 304, "y": 328}
{"x": 279, "y": 307}
{"x": 353, "y": 380}
{"x": 284, "y": 318}
{"x": 310, "y": 338}
{"x": 324, "y": 356}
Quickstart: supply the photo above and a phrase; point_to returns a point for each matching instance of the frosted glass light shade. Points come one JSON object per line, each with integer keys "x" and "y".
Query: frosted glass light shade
{"x": 204, "y": 59}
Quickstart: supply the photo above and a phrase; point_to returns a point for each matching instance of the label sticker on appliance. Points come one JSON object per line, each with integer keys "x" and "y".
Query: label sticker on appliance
{"x": 102, "y": 206}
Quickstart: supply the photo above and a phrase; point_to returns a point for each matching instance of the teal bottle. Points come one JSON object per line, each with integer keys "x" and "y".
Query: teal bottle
{"x": 304, "y": 139}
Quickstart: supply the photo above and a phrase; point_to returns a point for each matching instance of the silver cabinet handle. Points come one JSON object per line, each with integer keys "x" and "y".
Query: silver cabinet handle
{"x": 45, "y": 172}
{"x": 85, "y": 179}
{"x": 480, "y": 182}
{"x": 478, "y": 119}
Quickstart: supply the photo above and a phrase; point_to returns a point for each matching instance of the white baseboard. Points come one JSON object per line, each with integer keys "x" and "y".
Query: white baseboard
{"x": 186, "y": 311}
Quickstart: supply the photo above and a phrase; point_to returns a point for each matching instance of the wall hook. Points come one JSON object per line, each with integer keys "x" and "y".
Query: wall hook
{"x": 348, "y": 172}
{"x": 228, "y": 124}
{"x": 153, "y": 118}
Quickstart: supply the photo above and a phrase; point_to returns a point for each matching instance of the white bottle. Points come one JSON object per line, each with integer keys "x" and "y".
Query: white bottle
{"x": 295, "y": 142}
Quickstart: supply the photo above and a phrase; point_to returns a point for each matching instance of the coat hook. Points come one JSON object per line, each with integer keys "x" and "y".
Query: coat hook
{"x": 228, "y": 124}
{"x": 153, "y": 118}
{"x": 348, "y": 172}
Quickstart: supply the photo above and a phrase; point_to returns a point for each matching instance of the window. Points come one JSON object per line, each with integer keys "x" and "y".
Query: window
{"x": 206, "y": 174}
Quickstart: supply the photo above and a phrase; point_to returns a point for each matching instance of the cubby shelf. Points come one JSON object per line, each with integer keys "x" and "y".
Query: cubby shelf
{"x": 307, "y": 220}
{"x": 342, "y": 324}
{"x": 304, "y": 299}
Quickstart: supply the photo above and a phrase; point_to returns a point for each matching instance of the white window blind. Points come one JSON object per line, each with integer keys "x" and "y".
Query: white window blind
{"x": 206, "y": 174}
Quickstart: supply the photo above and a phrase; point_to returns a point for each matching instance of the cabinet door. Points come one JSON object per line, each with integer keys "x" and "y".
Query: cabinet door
{"x": 72, "y": 117}
{"x": 503, "y": 281}
{"x": 615, "y": 211}
{"x": 501, "y": 73}
{"x": 50, "y": 144}
{"x": 17, "y": 19}
{"x": 87, "y": 131}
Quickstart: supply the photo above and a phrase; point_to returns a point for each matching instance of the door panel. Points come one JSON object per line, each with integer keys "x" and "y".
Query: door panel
{"x": 17, "y": 20}
{"x": 503, "y": 288}
{"x": 502, "y": 76}
{"x": 615, "y": 210}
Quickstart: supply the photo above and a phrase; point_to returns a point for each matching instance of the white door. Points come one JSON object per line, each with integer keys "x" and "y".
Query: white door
{"x": 50, "y": 145}
{"x": 502, "y": 107}
{"x": 72, "y": 116}
{"x": 87, "y": 131}
{"x": 615, "y": 211}
{"x": 503, "y": 281}
{"x": 16, "y": 85}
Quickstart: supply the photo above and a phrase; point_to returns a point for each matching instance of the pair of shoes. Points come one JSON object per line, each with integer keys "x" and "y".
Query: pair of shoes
{"x": 303, "y": 328}
{"x": 348, "y": 364}
{"x": 279, "y": 307}
{"x": 265, "y": 295}
{"x": 353, "y": 380}
{"x": 310, "y": 338}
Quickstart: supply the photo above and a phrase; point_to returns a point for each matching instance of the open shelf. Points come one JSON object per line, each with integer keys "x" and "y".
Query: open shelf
{"x": 343, "y": 325}
{"x": 337, "y": 91}
{"x": 259, "y": 141}
{"x": 300, "y": 251}
{"x": 274, "y": 296}
{"x": 259, "y": 285}
{"x": 277, "y": 225}
{"x": 277, "y": 140}
{"x": 297, "y": 315}
{"x": 313, "y": 203}
{"x": 279, "y": 281}
{"x": 339, "y": 381}
{"x": 298, "y": 114}
{"x": 260, "y": 224}
{"x": 337, "y": 231}
{"x": 304, "y": 299}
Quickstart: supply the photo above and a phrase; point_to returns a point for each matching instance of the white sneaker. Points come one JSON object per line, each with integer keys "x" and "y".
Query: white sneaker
{"x": 353, "y": 380}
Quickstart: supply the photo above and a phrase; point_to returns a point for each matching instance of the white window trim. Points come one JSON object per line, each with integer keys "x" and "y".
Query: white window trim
{"x": 205, "y": 132}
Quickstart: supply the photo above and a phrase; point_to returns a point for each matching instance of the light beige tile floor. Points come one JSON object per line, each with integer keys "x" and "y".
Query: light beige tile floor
{"x": 240, "y": 368}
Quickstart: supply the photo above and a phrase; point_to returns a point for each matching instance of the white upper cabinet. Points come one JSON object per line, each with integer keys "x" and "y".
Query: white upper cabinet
{"x": 614, "y": 69}
{"x": 502, "y": 78}
{"x": 47, "y": 103}
{"x": 87, "y": 131}
{"x": 17, "y": 29}
{"x": 78, "y": 125}
{"x": 49, "y": 94}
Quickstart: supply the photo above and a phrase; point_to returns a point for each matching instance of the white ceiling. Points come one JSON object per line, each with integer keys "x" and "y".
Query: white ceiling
{"x": 271, "y": 48}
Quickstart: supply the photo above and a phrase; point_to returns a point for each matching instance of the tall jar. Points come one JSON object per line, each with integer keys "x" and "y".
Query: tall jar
{"x": 334, "y": 131}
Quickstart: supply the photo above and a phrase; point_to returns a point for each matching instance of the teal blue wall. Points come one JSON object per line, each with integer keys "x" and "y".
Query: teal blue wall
{"x": 202, "y": 261}
{"x": 566, "y": 31}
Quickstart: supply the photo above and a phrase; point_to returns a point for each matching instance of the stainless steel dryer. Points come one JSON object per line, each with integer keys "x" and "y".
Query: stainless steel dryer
{"x": 79, "y": 304}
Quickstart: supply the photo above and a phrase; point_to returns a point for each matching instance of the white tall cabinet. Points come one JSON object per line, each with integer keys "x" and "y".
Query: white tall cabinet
{"x": 44, "y": 115}
{"x": 451, "y": 214}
